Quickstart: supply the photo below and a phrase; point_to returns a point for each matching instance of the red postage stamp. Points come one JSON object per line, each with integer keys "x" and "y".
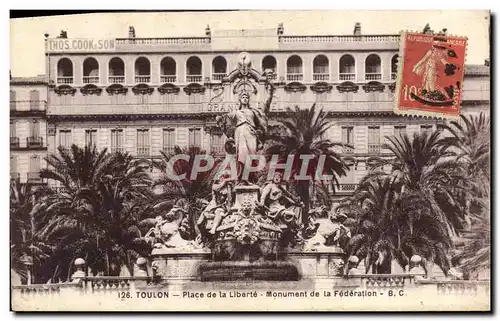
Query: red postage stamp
{"x": 430, "y": 75}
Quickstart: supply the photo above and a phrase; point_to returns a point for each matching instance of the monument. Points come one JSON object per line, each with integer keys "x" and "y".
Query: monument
{"x": 247, "y": 231}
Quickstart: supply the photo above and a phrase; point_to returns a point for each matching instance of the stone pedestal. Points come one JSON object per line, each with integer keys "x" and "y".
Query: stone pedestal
{"x": 173, "y": 264}
{"x": 324, "y": 263}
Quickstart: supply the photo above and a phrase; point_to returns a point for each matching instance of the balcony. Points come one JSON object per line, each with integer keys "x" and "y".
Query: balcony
{"x": 218, "y": 149}
{"x": 34, "y": 142}
{"x": 65, "y": 80}
{"x": 14, "y": 142}
{"x": 142, "y": 79}
{"x": 116, "y": 79}
{"x": 373, "y": 76}
{"x": 34, "y": 177}
{"x": 218, "y": 76}
{"x": 194, "y": 78}
{"x": 294, "y": 77}
{"x": 168, "y": 149}
{"x": 348, "y": 150}
{"x": 14, "y": 176}
{"x": 90, "y": 80}
{"x": 374, "y": 148}
{"x": 27, "y": 108}
{"x": 168, "y": 78}
{"x": 143, "y": 151}
{"x": 347, "y": 77}
{"x": 117, "y": 149}
{"x": 321, "y": 77}
{"x": 347, "y": 188}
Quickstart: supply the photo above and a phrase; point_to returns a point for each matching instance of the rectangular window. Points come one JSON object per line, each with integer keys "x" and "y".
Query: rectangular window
{"x": 143, "y": 142}
{"x": 440, "y": 128}
{"x": 35, "y": 128}
{"x": 426, "y": 129}
{"x": 34, "y": 100}
{"x": 217, "y": 143}
{"x": 12, "y": 129}
{"x": 90, "y": 137}
{"x": 116, "y": 140}
{"x": 195, "y": 137}
{"x": 348, "y": 138}
{"x": 399, "y": 131}
{"x": 34, "y": 164}
{"x": 373, "y": 139}
{"x": 65, "y": 138}
{"x": 13, "y": 164}
{"x": 12, "y": 100}
{"x": 168, "y": 140}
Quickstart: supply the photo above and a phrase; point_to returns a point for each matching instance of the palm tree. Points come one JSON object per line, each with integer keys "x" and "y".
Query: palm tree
{"x": 29, "y": 249}
{"x": 470, "y": 143}
{"x": 191, "y": 193}
{"x": 90, "y": 217}
{"x": 394, "y": 223}
{"x": 305, "y": 130}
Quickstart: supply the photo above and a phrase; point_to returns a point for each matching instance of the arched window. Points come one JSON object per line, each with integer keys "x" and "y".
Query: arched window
{"x": 64, "y": 71}
{"x": 347, "y": 68}
{"x": 320, "y": 68}
{"x": 116, "y": 71}
{"x": 269, "y": 63}
{"x": 219, "y": 68}
{"x": 142, "y": 70}
{"x": 168, "y": 70}
{"x": 294, "y": 68}
{"x": 90, "y": 71}
{"x": 373, "y": 68}
{"x": 394, "y": 67}
{"x": 194, "y": 70}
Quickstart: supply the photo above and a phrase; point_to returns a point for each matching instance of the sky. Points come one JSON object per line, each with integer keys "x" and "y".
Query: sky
{"x": 27, "y": 34}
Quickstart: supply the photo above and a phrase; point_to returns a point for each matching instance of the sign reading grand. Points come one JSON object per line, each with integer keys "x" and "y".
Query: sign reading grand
{"x": 80, "y": 45}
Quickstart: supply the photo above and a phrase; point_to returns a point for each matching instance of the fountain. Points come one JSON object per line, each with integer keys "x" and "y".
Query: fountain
{"x": 246, "y": 231}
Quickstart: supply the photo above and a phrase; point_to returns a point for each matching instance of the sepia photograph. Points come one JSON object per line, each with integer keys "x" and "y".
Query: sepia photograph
{"x": 250, "y": 161}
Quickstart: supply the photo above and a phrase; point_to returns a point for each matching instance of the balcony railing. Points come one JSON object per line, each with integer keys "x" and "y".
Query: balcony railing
{"x": 28, "y": 105}
{"x": 294, "y": 77}
{"x": 218, "y": 76}
{"x": 142, "y": 79}
{"x": 321, "y": 77}
{"x": 194, "y": 78}
{"x": 34, "y": 142}
{"x": 347, "y": 150}
{"x": 34, "y": 177}
{"x": 115, "y": 149}
{"x": 373, "y": 76}
{"x": 218, "y": 149}
{"x": 349, "y": 187}
{"x": 142, "y": 151}
{"x": 65, "y": 80}
{"x": 14, "y": 142}
{"x": 168, "y": 78}
{"x": 90, "y": 80}
{"x": 14, "y": 176}
{"x": 347, "y": 77}
{"x": 168, "y": 149}
{"x": 116, "y": 79}
{"x": 374, "y": 148}
{"x": 394, "y": 75}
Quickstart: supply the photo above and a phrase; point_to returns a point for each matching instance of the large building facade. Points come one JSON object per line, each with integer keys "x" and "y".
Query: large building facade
{"x": 28, "y": 142}
{"x": 143, "y": 95}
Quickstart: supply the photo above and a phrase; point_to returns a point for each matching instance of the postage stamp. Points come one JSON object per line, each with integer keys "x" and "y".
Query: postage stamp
{"x": 431, "y": 72}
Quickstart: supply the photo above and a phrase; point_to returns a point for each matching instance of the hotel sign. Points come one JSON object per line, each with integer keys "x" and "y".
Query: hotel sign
{"x": 80, "y": 45}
